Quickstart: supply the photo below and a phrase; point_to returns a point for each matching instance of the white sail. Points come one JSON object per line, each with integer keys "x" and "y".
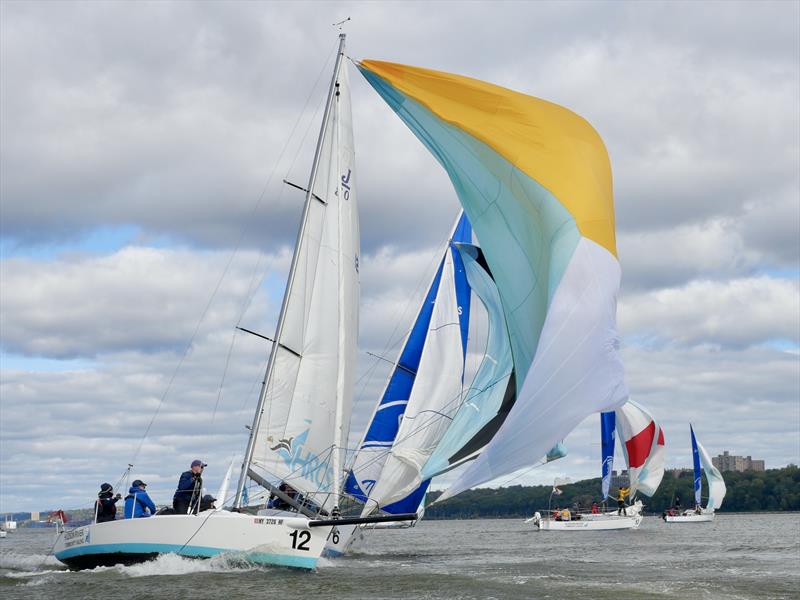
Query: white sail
{"x": 716, "y": 484}
{"x": 642, "y": 441}
{"x": 222, "y": 492}
{"x": 434, "y": 399}
{"x": 304, "y": 428}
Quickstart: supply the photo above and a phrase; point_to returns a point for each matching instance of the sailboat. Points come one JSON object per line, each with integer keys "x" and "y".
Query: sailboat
{"x": 643, "y": 446}
{"x": 534, "y": 180}
{"x": 301, "y": 423}
{"x": 9, "y": 524}
{"x": 716, "y": 488}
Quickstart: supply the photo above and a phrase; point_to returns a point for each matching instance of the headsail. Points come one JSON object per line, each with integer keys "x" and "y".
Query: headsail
{"x": 716, "y": 484}
{"x": 535, "y": 180}
{"x": 490, "y": 396}
{"x": 698, "y": 478}
{"x": 643, "y": 444}
{"x": 308, "y": 388}
{"x": 427, "y": 380}
{"x": 608, "y": 436}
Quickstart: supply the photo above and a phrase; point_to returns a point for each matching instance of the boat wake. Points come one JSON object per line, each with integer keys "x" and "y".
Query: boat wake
{"x": 41, "y": 567}
{"x": 30, "y": 563}
{"x": 172, "y": 564}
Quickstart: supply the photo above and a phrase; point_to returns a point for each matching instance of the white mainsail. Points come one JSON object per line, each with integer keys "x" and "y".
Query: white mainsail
{"x": 308, "y": 387}
{"x": 716, "y": 484}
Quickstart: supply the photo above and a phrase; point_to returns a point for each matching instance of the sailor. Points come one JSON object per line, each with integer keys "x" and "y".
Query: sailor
{"x": 595, "y": 510}
{"x": 137, "y": 502}
{"x": 278, "y": 503}
{"x": 106, "y": 504}
{"x": 207, "y": 503}
{"x": 621, "y": 500}
{"x": 190, "y": 486}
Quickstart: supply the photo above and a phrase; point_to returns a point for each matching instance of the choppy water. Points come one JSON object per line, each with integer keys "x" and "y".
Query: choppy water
{"x": 737, "y": 556}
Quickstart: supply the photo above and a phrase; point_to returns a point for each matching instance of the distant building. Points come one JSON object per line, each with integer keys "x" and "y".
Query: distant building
{"x": 729, "y": 462}
{"x": 676, "y": 473}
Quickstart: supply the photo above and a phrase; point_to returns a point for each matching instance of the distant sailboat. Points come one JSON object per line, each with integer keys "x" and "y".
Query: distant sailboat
{"x": 642, "y": 441}
{"x": 716, "y": 488}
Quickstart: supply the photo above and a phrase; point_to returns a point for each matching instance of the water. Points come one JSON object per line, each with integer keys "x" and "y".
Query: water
{"x": 737, "y": 556}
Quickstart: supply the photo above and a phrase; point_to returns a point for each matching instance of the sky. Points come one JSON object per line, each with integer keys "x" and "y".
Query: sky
{"x": 143, "y": 215}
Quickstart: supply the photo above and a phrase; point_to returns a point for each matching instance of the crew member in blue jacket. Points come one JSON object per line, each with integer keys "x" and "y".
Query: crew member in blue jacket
{"x": 190, "y": 488}
{"x": 137, "y": 502}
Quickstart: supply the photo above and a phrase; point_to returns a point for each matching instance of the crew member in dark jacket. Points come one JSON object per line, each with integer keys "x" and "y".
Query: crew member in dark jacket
{"x": 106, "y": 508}
{"x": 137, "y": 502}
{"x": 190, "y": 486}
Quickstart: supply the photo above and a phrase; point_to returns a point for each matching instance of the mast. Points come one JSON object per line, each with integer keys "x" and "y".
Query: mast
{"x": 310, "y": 197}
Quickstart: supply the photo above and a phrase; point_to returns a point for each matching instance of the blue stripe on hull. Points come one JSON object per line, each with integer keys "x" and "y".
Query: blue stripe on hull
{"x": 103, "y": 552}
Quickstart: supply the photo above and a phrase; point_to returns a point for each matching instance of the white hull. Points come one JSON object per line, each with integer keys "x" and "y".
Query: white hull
{"x": 338, "y": 541}
{"x": 341, "y": 539}
{"x": 704, "y": 517}
{"x": 265, "y": 540}
{"x": 593, "y": 522}
{"x": 3, "y": 533}
{"x": 606, "y": 523}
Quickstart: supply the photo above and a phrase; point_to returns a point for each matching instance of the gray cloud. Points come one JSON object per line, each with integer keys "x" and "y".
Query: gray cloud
{"x": 120, "y": 116}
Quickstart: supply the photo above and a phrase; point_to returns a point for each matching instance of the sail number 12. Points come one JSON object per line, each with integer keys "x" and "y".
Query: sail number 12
{"x": 300, "y": 540}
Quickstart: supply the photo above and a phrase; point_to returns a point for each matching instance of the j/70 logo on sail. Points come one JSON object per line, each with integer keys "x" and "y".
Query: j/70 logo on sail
{"x": 346, "y": 185}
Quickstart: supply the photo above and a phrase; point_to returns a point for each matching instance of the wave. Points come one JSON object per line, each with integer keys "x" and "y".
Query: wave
{"x": 34, "y": 563}
{"x": 172, "y": 564}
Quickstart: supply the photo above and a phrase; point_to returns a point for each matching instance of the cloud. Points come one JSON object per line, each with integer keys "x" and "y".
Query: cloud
{"x": 736, "y": 312}
{"x": 136, "y": 298}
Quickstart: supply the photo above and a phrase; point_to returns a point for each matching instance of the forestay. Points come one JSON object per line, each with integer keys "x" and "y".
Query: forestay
{"x": 643, "y": 445}
{"x": 309, "y": 384}
{"x": 535, "y": 180}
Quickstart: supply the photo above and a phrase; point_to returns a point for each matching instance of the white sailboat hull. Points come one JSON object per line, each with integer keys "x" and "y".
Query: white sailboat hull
{"x": 341, "y": 539}
{"x": 704, "y": 517}
{"x": 599, "y": 523}
{"x": 288, "y": 542}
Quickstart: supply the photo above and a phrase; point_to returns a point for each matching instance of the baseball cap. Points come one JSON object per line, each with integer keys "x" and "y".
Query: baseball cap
{"x": 198, "y": 463}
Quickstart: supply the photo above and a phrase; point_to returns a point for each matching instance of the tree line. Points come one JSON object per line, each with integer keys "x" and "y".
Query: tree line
{"x": 771, "y": 490}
